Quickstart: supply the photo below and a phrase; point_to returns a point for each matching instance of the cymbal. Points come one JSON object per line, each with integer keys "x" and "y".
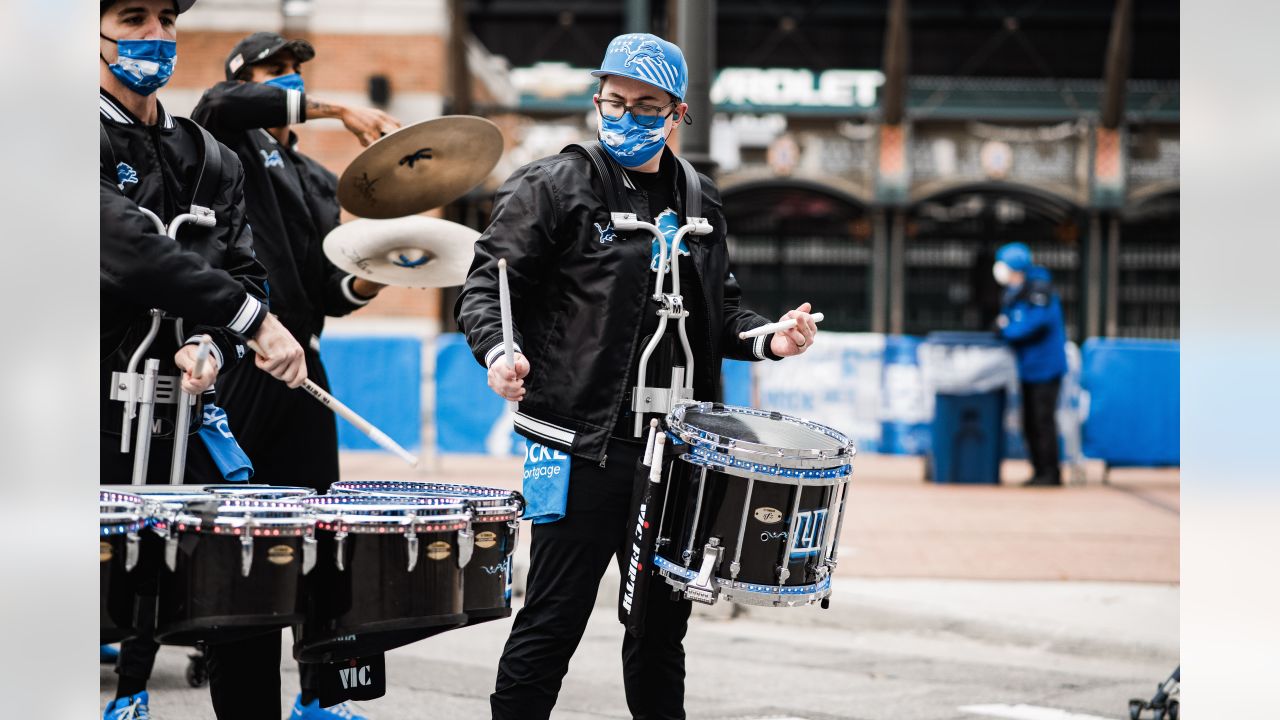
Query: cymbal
{"x": 414, "y": 251}
{"x": 420, "y": 167}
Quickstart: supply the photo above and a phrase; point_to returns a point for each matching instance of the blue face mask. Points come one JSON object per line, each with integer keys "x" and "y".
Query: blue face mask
{"x": 144, "y": 66}
{"x": 292, "y": 81}
{"x": 630, "y": 144}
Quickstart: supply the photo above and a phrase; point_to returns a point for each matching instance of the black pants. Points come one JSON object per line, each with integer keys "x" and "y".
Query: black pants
{"x": 567, "y": 560}
{"x": 1040, "y": 429}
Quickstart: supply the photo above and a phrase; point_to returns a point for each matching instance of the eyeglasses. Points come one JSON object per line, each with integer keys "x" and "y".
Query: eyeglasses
{"x": 645, "y": 115}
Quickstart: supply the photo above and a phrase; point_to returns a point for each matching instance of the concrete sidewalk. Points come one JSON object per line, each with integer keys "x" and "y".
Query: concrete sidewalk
{"x": 898, "y": 526}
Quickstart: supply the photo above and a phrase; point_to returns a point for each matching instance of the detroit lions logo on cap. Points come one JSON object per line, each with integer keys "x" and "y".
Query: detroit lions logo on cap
{"x": 647, "y": 58}
{"x": 647, "y": 49}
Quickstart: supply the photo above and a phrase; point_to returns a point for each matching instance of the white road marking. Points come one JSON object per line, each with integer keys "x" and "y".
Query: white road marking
{"x": 1026, "y": 712}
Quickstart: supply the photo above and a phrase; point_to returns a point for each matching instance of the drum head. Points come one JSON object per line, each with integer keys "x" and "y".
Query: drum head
{"x": 489, "y": 503}
{"x": 776, "y": 430}
{"x": 760, "y": 444}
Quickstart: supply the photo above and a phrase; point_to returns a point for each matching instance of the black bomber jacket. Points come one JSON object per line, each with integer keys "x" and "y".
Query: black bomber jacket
{"x": 578, "y": 289}
{"x": 208, "y": 277}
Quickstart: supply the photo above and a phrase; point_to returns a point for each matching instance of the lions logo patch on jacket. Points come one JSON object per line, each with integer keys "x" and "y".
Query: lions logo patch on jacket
{"x": 125, "y": 174}
{"x": 271, "y": 160}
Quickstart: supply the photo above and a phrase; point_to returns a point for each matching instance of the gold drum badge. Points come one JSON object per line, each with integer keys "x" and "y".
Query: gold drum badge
{"x": 280, "y": 554}
{"x": 768, "y": 515}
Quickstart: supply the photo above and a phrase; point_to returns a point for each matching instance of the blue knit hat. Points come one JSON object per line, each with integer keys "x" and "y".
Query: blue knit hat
{"x": 649, "y": 59}
{"x": 1016, "y": 255}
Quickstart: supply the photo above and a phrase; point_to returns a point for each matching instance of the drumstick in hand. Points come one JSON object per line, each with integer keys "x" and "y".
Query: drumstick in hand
{"x": 777, "y": 327}
{"x": 504, "y": 305}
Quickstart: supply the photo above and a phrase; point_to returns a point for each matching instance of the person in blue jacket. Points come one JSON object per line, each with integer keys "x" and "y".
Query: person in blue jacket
{"x": 1031, "y": 320}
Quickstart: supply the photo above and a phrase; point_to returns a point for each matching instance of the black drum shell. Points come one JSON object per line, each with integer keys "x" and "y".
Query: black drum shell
{"x": 487, "y": 578}
{"x": 764, "y": 539}
{"x": 377, "y": 604}
{"x": 118, "y": 588}
{"x": 206, "y": 597}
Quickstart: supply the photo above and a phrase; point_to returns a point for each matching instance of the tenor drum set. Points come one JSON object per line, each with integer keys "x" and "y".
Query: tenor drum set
{"x": 734, "y": 503}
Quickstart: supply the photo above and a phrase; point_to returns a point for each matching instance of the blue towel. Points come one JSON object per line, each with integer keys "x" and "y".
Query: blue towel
{"x": 546, "y": 483}
{"x": 227, "y": 455}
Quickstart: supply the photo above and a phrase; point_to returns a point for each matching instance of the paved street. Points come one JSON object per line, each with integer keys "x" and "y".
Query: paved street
{"x": 950, "y": 602}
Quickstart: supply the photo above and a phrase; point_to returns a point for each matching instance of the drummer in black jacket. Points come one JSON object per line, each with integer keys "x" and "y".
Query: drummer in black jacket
{"x": 208, "y": 277}
{"x": 580, "y": 293}
{"x": 292, "y": 205}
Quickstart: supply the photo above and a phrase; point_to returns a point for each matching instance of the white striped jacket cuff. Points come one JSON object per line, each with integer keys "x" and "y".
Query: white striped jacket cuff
{"x": 491, "y": 356}
{"x": 293, "y": 103}
{"x": 249, "y": 311}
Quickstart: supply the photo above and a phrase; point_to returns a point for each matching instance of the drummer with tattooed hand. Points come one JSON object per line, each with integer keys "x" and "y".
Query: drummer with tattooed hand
{"x": 292, "y": 205}
{"x": 581, "y": 293}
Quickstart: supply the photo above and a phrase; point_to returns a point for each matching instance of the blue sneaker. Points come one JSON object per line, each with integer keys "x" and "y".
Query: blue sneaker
{"x": 313, "y": 711}
{"x": 107, "y": 654}
{"x": 133, "y": 707}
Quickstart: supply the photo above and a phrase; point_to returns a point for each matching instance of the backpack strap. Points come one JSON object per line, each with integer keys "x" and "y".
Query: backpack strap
{"x": 210, "y": 175}
{"x": 610, "y": 175}
{"x": 692, "y": 190}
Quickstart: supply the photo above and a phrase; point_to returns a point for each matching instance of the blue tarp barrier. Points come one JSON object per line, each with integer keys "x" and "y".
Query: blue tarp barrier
{"x": 1130, "y": 401}
{"x": 380, "y": 377}
{"x": 1133, "y": 401}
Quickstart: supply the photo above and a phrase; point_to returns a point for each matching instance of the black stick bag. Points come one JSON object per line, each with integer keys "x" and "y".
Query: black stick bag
{"x": 642, "y": 535}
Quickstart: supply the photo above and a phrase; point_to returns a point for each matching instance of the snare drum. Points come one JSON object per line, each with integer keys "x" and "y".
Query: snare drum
{"x": 752, "y": 506}
{"x": 121, "y": 519}
{"x": 496, "y": 529}
{"x": 232, "y": 567}
{"x": 388, "y": 573}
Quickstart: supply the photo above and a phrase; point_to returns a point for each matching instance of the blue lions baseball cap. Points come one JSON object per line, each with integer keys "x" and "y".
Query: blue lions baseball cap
{"x": 1016, "y": 255}
{"x": 649, "y": 59}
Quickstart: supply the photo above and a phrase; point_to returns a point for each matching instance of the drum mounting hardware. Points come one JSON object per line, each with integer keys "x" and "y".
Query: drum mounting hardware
{"x": 701, "y": 587}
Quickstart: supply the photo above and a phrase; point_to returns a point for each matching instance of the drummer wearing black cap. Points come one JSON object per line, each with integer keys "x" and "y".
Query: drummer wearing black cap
{"x": 292, "y": 205}
{"x": 207, "y": 276}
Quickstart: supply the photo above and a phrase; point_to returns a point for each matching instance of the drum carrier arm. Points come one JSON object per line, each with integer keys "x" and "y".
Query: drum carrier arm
{"x": 655, "y": 400}
{"x": 140, "y": 392}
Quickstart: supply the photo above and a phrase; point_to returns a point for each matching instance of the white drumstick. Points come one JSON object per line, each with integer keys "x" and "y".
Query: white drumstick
{"x": 364, "y": 426}
{"x": 202, "y": 354}
{"x": 504, "y": 305}
{"x": 776, "y": 327}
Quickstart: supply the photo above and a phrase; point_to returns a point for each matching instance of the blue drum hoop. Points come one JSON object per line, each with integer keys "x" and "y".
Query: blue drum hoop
{"x": 752, "y": 593}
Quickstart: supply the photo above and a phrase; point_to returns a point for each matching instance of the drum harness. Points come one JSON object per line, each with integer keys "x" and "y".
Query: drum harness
{"x": 661, "y": 400}
{"x": 644, "y": 399}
